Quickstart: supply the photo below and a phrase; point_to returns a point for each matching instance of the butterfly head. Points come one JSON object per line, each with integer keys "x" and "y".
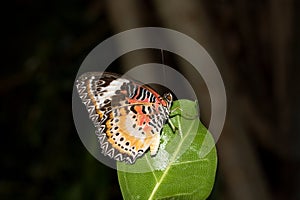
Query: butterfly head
{"x": 168, "y": 99}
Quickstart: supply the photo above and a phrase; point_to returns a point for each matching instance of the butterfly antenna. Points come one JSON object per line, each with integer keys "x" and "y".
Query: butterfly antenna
{"x": 162, "y": 57}
{"x": 163, "y": 62}
{"x": 183, "y": 114}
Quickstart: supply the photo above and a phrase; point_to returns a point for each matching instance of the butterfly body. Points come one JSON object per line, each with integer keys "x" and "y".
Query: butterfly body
{"x": 128, "y": 115}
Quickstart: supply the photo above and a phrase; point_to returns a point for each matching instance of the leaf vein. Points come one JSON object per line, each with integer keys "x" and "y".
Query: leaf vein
{"x": 180, "y": 194}
{"x": 152, "y": 170}
{"x": 171, "y": 160}
{"x": 187, "y": 162}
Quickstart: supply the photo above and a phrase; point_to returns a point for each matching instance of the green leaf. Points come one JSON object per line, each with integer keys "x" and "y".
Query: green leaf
{"x": 179, "y": 170}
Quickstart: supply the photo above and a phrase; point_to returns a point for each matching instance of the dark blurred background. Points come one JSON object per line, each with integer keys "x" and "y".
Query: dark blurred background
{"x": 254, "y": 43}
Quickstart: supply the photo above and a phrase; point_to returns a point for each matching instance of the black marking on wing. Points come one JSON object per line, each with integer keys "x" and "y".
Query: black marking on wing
{"x": 132, "y": 108}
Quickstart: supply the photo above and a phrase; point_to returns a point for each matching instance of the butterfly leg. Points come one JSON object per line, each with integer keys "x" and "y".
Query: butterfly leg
{"x": 183, "y": 114}
{"x": 172, "y": 126}
{"x": 179, "y": 129}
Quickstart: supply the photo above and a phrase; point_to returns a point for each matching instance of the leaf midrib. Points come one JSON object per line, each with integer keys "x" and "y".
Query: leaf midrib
{"x": 170, "y": 164}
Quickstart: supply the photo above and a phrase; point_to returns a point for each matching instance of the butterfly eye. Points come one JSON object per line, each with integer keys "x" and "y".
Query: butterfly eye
{"x": 168, "y": 96}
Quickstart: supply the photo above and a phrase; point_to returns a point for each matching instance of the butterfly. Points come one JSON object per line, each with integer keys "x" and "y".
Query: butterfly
{"x": 127, "y": 114}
